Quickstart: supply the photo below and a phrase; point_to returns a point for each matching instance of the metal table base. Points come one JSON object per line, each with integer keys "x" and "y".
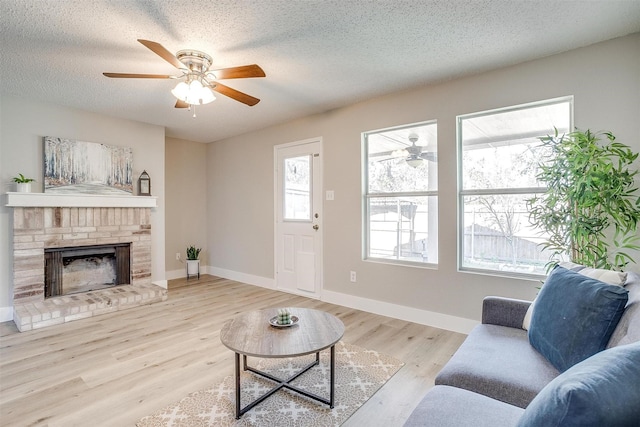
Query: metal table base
{"x": 284, "y": 383}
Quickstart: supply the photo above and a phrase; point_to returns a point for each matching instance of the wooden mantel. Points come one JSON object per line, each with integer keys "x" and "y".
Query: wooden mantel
{"x": 79, "y": 200}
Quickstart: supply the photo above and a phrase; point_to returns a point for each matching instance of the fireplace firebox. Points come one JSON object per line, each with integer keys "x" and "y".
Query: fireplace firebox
{"x": 79, "y": 269}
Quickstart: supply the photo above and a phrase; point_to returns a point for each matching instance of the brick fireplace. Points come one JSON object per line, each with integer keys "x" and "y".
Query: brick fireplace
{"x": 36, "y": 228}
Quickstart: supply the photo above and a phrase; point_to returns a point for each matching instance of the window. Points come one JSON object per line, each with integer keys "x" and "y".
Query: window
{"x": 297, "y": 188}
{"x": 401, "y": 194}
{"x": 498, "y": 155}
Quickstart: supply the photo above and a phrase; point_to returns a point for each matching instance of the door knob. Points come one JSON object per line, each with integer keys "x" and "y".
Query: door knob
{"x": 315, "y": 227}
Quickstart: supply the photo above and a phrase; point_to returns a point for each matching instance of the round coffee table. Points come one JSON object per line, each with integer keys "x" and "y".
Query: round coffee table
{"x": 251, "y": 334}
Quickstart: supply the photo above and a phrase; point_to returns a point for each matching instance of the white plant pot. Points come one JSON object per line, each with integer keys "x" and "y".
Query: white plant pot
{"x": 23, "y": 187}
{"x": 193, "y": 267}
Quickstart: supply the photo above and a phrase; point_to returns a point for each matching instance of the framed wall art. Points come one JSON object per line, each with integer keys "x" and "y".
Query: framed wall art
{"x": 72, "y": 166}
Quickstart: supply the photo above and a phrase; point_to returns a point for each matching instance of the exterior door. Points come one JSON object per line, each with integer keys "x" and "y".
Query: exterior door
{"x": 299, "y": 217}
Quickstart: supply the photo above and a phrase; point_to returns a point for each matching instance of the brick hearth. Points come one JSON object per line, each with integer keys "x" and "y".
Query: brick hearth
{"x": 37, "y": 228}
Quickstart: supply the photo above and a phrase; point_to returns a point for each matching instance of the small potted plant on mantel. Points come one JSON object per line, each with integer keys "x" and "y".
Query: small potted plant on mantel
{"x": 193, "y": 262}
{"x": 23, "y": 183}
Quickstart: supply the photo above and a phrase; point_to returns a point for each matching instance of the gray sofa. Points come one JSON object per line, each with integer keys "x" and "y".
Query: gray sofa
{"x": 496, "y": 374}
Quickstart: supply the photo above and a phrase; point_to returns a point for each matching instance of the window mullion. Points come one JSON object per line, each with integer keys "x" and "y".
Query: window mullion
{"x": 490, "y": 191}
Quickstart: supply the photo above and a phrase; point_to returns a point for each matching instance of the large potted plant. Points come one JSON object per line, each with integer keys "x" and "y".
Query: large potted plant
{"x": 193, "y": 261}
{"x": 591, "y": 208}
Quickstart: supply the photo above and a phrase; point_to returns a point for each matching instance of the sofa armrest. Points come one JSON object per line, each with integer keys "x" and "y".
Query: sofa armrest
{"x": 504, "y": 311}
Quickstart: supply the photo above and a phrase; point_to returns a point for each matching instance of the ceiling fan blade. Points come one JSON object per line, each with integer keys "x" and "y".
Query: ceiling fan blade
{"x": 242, "y": 72}
{"x": 181, "y": 104}
{"x": 234, "y": 94}
{"x": 138, "y": 76}
{"x": 432, "y": 156}
{"x": 162, "y": 52}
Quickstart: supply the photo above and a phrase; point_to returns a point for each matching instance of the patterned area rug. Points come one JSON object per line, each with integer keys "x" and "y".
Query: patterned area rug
{"x": 359, "y": 374}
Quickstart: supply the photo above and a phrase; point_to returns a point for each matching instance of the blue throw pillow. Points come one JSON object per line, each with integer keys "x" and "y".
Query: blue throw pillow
{"x": 603, "y": 390}
{"x": 574, "y": 317}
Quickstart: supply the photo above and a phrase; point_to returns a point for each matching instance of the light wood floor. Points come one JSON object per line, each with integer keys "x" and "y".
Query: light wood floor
{"x": 112, "y": 370}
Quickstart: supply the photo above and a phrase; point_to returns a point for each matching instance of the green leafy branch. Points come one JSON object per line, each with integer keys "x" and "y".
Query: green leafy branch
{"x": 591, "y": 207}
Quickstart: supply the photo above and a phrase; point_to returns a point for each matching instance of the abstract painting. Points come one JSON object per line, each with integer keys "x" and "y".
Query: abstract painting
{"x": 72, "y": 166}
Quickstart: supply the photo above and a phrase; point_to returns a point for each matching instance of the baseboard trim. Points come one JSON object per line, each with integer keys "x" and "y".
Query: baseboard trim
{"x": 410, "y": 314}
{"x": 162, "y": 283}
{"x": 175, "y": 274}
{"x": 6, "y": 314}
{"x": 263, "y": 282}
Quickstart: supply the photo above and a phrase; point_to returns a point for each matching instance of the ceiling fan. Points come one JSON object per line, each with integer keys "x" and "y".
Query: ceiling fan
{"x": 416, "y": 155}
{"x": 199, "y": 81}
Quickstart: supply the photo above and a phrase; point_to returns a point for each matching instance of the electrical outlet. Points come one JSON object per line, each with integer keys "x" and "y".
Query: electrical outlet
{"x": 178, "y": 256}
{"x": 353, "y": 276}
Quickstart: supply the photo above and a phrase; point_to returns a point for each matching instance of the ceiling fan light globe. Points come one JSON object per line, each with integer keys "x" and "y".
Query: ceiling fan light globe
{"x": 195, "y": 86}
{"x": 413, "y": 162}
{"x": 181, "y": 91}
{"x": 207, "y": 95}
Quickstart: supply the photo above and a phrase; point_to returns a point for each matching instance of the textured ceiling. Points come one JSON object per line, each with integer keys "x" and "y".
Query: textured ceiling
{"x": 318, "y": 55}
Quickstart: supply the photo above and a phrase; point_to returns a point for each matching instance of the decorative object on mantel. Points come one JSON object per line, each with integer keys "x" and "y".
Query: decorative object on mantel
{"x": 144, "y": 184}
{"x": 72, "y": 167}
{"x": 23, "y": 183}
{"x": 193, "y": 263}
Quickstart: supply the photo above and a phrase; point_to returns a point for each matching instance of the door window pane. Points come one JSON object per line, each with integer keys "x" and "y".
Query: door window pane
{"x": 297, "y": 188}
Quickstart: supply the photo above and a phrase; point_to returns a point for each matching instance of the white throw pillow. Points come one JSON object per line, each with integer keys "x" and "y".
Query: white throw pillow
{"x": 607, "y": 276}
{"x": 527, "y": 317}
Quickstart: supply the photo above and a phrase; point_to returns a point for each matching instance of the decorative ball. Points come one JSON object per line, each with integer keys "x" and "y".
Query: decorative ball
{"x": 284, "y": 316}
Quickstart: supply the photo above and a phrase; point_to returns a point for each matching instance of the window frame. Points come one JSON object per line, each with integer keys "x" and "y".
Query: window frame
{"x": 462, "y": 193}
{"x": 367, "y": 196}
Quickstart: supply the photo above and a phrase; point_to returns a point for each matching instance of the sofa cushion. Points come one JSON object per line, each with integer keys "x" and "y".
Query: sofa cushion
{"x": 498, "y": 362}
{"x": 574, "y": 317}
{"x": 628, "y": 329}
{"x": 602, "y": 390}
{"x": 445, "y": 406}
{"x": 607, "y": 276}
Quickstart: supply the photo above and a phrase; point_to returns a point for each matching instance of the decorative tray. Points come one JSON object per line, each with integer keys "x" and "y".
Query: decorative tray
{"x": 274, "y": 322}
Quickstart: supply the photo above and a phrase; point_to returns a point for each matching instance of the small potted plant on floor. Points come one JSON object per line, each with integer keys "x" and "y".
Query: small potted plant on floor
{"x": 193, "y": 261}
{"x": 23, "y": 183}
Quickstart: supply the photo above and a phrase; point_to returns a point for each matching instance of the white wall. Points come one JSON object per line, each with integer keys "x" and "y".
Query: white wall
{"x": 186, "y": 211}
{"x": 604, "y": 79}
{"x": 23, "y": 124}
